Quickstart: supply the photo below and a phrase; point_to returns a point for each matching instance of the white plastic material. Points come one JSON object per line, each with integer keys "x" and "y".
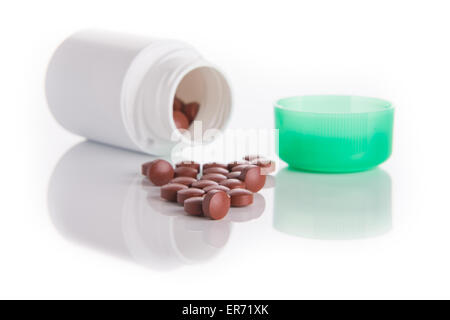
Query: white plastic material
{"x": 119, "y": 89}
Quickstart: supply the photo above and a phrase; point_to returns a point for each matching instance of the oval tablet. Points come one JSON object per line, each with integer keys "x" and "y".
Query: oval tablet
{"x": 190, "y": 164}
{"x": 240, "y": 197}
{"x": 254, "y": 180}
{"x": 169, "y": 191}
{"x": 234, "y": 175}
{"x": 214, "y": 164}
{"x": 187, "y": 181}
{"x": 233, "y": 183}
{"x": 239, "y": 167}
{"x": 177, "y": 104}
{"x": 217, "y": 177}
{"x": 216, "y": 204}
{"x": 200, "y": 184}
{"x": 193, "y": 206}
{"x": 252, "y": 157}
{"x": 267, "y": 166}
{"x": 180, "y": 119}
{"x": 233, "y": 164}
{"x": 160, "y": 172}
{"x": 185, "y": 172}
{"x": 191, "y": 110}
{"x": 145, "y": 166}
{"x": 216, "y": 187}
{"x": 216, "y": 170}
{"x": 184, "y": 194}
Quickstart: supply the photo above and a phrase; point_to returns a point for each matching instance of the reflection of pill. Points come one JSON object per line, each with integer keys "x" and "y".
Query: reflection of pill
{"x": 233, "y": 183}
{"x": 193, "y": 206}
{"x": 200, "y": 184}
{"x": 214, "y": 164}
{"x": 216, "y": 187}
{"x": 184, "y": 194}
{"x": 215, "y": 170}
{"x": 216, "y": 204}
{"x": 185, "y": 172}
{"x": 180, "y": 119}
{"x": 191, "y": 110}
{"x": 187, "y": 181}
{"x": 253, "y": 211}
{"x": 234, "y": 175}
{"x": 177, "y": 104}
{"x": 160, "y": 172}
{"x": 217, "y": 177}
{"x": 190, "y": 164}
{"x": 254, "y": 180}
{"x": 169, "y": 191}
{"x": 233, "y": 164}
{"x": 240, "y": 197}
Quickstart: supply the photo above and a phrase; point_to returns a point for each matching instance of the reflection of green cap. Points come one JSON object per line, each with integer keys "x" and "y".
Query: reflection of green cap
{"x": 333, "y": 206}
{"x": 334, "y": 133}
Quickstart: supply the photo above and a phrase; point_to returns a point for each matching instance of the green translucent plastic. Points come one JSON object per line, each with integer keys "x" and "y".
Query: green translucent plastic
{"x": 333, "y": 206}
{"x": 334, "y": 133}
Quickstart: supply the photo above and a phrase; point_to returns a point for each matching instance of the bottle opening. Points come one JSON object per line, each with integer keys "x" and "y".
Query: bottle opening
{"x": 161, "y": 72}
{"x": 208, "y": 87}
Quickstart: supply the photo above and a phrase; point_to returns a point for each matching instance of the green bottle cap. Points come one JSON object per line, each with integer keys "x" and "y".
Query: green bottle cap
{"x": 329, "y": 133}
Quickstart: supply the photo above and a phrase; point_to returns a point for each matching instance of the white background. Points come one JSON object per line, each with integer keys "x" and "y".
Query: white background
{"x": 397, "y": 50}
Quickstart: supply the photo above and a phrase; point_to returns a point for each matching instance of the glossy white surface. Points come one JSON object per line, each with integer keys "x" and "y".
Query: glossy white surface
{"x": 77, "y": 222}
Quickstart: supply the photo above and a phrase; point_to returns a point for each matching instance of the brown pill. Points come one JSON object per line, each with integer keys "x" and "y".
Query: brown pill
{"x": 214, "y": 164}
{"x": 177, "y": 104}
{"x": 185, "y": 172}
{"x": 160, "y": 172}
{"x": 200, "y": 184}
{"x": 184, "y": 194}
{"x": 216, "y": 170}
{"x": 267, "y": 166}
{"x": 181, "y": 121}
{"x": 216, "y": 187}
{"x": 191, "y": 110}
{"x": 145, "y": 166}
{"x": 187, "y": 181}
{"x": 239, "y": 167}
{"x": 233, "y": 183}
{"x": 169, "y": 191}
{"x": 233, "y": 164}
{"x": 240, "y": 197}
{"x": 234, "y": 175}
{"x": 217, "y": 177}
{"x": 252, "y": 157}
{"x": 189, "y": 164}
{"x": 254, "y": 180}
{"x": 193, "y": 206}
{"x": 216, "y": 204}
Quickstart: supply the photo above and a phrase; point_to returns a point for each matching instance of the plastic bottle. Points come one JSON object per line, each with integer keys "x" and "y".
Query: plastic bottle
{"x": 119, "y": 89}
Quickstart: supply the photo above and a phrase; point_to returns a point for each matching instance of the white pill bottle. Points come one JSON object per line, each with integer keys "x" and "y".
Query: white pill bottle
{"x": 119, "y": 89}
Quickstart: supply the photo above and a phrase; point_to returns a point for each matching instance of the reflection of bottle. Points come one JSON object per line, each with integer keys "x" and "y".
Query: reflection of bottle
{"x": 97, "y": 197}
{"x": 333, "y": 206}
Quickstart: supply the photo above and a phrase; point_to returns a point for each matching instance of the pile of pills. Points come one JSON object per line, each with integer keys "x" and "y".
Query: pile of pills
{"x": 184, "y": 113}
{"x": 219, "y": 187}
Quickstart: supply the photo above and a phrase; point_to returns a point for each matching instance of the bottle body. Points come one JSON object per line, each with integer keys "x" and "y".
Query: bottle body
{"x": 119, "y": 89}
